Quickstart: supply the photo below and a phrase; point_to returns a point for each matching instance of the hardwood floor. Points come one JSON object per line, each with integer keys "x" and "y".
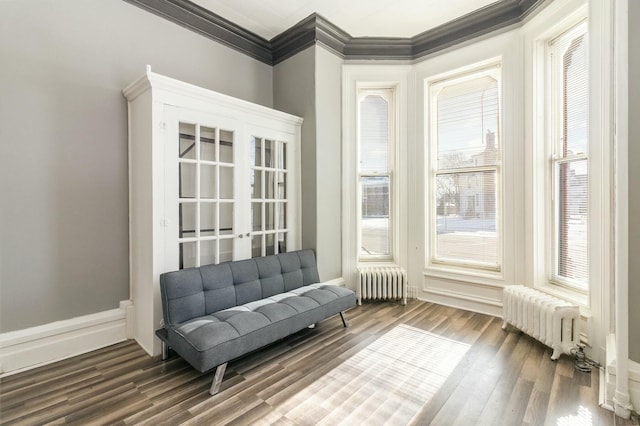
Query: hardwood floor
{"x": 502, "y": 377}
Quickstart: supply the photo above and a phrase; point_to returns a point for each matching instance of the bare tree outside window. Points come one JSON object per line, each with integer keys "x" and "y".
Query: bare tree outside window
{"x": 465, "y": 129}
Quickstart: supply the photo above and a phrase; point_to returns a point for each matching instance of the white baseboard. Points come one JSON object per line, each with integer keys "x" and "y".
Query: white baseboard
{"x": 633, "y": 371}
{"x": 634, "y": 384}
{"x": 336, "y": 281}
{"x": 32, "y": 347}
{"x": 475, "y": 303}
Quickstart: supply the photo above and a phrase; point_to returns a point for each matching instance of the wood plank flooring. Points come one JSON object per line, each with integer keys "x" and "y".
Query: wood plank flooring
{"x": 504, "y": 377}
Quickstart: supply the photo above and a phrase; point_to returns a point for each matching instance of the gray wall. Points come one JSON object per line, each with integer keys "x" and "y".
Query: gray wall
{"x": 634, "y": 181}
{"x": 309, "y": 85}
{"x": 294, "y": 92}
{"x": 63, "y": 129}
{"x": 329, "y": 162}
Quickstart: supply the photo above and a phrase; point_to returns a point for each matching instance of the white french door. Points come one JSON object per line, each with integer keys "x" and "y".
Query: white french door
{"x": 204, "y": 224}
{"x": 272, "y": 191}
{"x": 228, "y": 189}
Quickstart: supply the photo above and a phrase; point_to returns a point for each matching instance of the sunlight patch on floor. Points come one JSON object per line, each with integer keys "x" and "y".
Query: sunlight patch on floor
{"x": 389, "y": 381}
{"x": 582, "y": 418}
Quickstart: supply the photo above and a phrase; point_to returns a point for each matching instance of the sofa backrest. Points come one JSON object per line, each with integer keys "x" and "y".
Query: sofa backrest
{"x": 194, "y": 292}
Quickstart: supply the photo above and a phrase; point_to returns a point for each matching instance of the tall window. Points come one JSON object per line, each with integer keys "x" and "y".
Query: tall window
{"x": 465, "y": 175}
{"x": 569, "y": 137}
{"x": 376, "y": 135}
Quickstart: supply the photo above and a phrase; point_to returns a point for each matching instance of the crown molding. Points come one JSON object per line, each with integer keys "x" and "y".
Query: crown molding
{"x": 311, "y": 30}
{"x": 480, "y": 22}
{"x": 330, "y": 36}
{"x": 391, "y": 48}
{"x": 316, "y": 29}
{"x": 208, "y": 24}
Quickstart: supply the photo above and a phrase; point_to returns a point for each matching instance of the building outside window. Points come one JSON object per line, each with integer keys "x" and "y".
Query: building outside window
{"x": 465, "y": 147}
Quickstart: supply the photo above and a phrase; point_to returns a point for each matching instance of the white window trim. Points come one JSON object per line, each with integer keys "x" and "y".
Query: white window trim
{"x": 467, "y": 288}
{"x": 552, "y": 111}
{"x": 388, "y": 93}
{"x": 493, "y": 68}
{"x": 372, "y": 76}
{"x": 543, "y": 208}
{"x": 597, "y": 305}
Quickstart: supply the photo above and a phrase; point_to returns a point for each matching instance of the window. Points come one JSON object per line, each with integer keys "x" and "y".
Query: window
{"x": 376, "y": 135}
{"x": 569, "y": 139}
{"x": 465, "y": 169}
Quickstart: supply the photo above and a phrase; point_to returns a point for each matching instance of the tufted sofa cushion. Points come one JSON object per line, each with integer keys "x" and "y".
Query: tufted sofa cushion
{"x": 211, "y": 340}
{"x": 195, "y": 292}
{"x": 216, "y": 313}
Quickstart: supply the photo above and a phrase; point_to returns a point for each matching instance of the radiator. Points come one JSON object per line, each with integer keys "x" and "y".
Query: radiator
{"x": 382, "y": 283}
{"x": 552, "y": 321}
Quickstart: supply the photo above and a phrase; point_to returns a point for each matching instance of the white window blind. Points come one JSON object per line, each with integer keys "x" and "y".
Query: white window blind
{"x": 376, "y": 132}
{"x": 570, "y": 168}
{"x": 466, "y": 146}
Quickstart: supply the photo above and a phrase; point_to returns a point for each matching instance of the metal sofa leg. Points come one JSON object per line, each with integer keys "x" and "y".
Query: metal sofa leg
{"x": 217, "y": 379}
{"x": 165, "y": 350}
{"x": 344, "y": 320}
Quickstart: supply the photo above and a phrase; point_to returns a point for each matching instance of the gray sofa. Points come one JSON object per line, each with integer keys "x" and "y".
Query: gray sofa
{"x": 215, "y": 313}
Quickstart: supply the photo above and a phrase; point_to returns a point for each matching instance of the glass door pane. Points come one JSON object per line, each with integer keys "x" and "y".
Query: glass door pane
{"x": 268, "y": 177}
{"x": 186, "y": 144}
{"x": 206, "y": 195}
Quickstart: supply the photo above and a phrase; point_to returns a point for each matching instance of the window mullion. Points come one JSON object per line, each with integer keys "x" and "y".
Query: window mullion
{"x": 466, "y": 170}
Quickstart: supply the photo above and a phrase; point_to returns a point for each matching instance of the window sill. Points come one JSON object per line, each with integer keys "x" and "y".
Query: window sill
{"x": 376, "y": 262}
{"x": 578, "y": 298}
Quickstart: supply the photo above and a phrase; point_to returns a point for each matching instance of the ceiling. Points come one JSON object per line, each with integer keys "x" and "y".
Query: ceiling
{"x": 359, "y": 18}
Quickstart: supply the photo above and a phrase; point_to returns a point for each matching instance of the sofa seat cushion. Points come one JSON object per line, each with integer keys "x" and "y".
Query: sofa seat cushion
{"x": 211, "y": 340}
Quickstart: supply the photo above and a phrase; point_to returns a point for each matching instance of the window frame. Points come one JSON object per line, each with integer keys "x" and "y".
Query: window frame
{"x": 539, "y": 214}
{"x": 389, "y": 93}
{"x": 554, "y": 118}
{"x": 491, "y": 68}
